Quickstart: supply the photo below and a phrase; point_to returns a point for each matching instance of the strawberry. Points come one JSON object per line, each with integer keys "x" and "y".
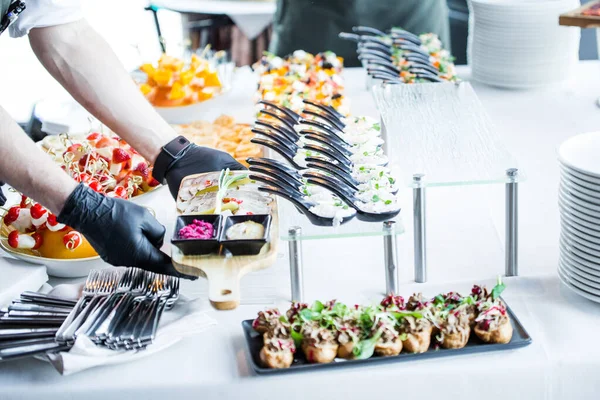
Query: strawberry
{"x": 12, "y": 215}
{"x": 120, "y": 192}
{"x": 153, "y": 182}
{"x": 105, "y": 142}
{"x": 23, "y": 201}
{"x": 39, "y": 239}
{"x": 72, "y": 240}
{"x": 95, "y": 185}
{"x": 120, "y": 156}
{"x": 94, "y": 136}
{"x": 37, "y": 211}
{"x": 52, "y": 220}
{"x": 74, "y": 148}
{"x": 143, "y": 170}
{"x": 13, "y": 239}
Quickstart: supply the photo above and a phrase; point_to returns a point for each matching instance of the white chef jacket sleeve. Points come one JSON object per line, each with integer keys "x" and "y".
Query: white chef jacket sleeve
{"x": 44, "y": 13}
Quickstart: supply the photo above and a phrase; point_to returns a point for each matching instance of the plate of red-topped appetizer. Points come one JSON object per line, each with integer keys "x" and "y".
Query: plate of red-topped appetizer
{"x": 333, "y": 334}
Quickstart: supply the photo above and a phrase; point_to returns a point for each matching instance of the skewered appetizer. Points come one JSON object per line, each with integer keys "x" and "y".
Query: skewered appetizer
{"x": 104, "y": 162}
{"x": 173, "y": 82}
{"x": 289, "y": 80}
{"x": 225, "y": 193}
{"x": 326, "y": 331}
{"x": 32, "y": 229}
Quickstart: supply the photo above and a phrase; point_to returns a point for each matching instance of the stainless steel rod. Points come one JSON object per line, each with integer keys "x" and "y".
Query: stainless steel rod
{"x": 512, "y": 221}
{"x": 390, "y": 248}
{"x": 419, "y": 228}
{"x": 296, "y": 274}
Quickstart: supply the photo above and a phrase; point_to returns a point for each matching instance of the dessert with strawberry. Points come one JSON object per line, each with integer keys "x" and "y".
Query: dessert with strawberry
{"x": 34, "y": 229}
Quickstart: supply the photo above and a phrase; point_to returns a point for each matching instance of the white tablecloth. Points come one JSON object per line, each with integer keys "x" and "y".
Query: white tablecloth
{"x": 464, "y": 247}
{"x": 252, "y": 17}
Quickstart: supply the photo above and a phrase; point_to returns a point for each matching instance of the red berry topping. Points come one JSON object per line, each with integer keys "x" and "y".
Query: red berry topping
{"x": 39, "y": 240}
{"x": 74, "y": 148}
{"x": 120, "y": 156}
{"x": 142, "y": 169}
{"x": 95, "y": 185}
{"x": 12, "y": 215}
{"x": 52, "y": 220}
{"x": 23, "y": 201}
{"x": 120, "y": 191}
{"x": 72, "y": 240}
{"x": 13, "y": 239}
{"x": 37, "y": 211}
{"x": 94, "y": 136}
{"x": 153, "y": 182}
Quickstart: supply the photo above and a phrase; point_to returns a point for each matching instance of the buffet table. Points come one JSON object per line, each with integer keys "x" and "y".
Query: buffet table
{"x": 558, "y": 364}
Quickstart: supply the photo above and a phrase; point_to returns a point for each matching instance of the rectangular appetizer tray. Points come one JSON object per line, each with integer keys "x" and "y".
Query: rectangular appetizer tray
{"x": 254, "y": 344}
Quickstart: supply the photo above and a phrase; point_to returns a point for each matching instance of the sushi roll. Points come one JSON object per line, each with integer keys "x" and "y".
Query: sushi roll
{"x": 278, "y": 348}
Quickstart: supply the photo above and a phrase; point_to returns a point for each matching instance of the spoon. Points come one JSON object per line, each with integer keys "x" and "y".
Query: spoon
{"x": 324, "y": 140}
{"x": 328, "y": 109}
{"x": 387, "y": 66}
{"x": 421, "y": 73}
{"x": 374, "y": 39}
{"x": 427, "y": 67}
{"x": 330, "y": 166}
{"x": 277, "y": 182}
{"x": 386, "y": 49}
{"x": 341, "y": 175}
{"x": 285, "y": 119}
{"x": 370, "y": 57}
{"x": 403, "y": 37}
{"x": 333, "y": 139}
{"x": 333, "y": 186}
{"x": 349, "y": 36}
{"x": 417, "y": 57}
{"x": 282, "y": 150}
{"x": 275, "y": 164}
{"x": 381, "y": 72}
{"x": 276, "y": 136}
{"x": 304, "y": 205}
{"x": 279, "y": 108}
{"x": 284, "y": 130}
{"x": 412, "y": 48}
{"x": 331, "y": 153}
{"x": 332, "y": 121}
{"x": 326, "y": 128}
{"x": 362, "y": 30}
{"x": 295, "y": 182}
{"x": 405, "y": 33}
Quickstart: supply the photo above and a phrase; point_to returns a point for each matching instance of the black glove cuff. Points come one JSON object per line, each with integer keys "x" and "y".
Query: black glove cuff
{"x": 169, "y": 154}
{"x": 78, "y": 204}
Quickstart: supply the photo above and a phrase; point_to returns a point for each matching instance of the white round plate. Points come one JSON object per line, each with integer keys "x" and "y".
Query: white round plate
{"x": 580, "y": 224}
{"x": 59, "y": 268}
{"x": 205, "y": 110}
{"x": 592, "y": 279}
{"x": 580, "y": 191}
{"x": 574, "y": 173}
{"x": 579, "y": 253}
{"x": 578, "y": 276}
{"x": 570, "y": 260}
{"x": 587, "y": 215}
{"x": 578, "y": 203}
{"x": 581, "y": 153}
{"x": 578, "y": 281}
{"x": 579, "y": 243}
{"x": 575, "y": 288}
{"x": 581, "y": 237}
{"x": 581, "y": 184}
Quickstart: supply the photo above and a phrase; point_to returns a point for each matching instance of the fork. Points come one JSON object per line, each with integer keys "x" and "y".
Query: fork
{"x": 89, "y": 289}
{"x": 163, "y": 291}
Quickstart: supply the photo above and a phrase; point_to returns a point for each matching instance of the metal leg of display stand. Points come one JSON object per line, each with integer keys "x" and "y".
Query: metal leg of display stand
{"x": 420, "y": 237}
{"x": 512, "y": 219}
{"x": 390, "y": 248}
{"x": 296, "y": 277}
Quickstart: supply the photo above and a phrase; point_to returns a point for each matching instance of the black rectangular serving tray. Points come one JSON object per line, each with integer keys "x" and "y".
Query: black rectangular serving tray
{"x": 254, "y": 343}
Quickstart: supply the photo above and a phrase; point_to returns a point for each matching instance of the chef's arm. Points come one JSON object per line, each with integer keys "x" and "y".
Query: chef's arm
{"x": 27, "y": 169}
{"x": 82, "y": 62}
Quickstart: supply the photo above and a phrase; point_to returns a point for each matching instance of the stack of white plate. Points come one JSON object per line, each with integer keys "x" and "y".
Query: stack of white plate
{"x": 519, "y": 44}
{"x": 579, "y": 204}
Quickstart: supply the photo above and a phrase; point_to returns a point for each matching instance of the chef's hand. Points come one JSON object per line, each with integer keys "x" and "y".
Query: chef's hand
{"x": 197, "y": 160}
{"x": 2, "y": 196}
{"x": 123, "y": 233}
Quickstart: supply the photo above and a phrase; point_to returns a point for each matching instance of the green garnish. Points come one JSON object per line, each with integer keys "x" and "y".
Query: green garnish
{"x": 402, "y": 314}
{"x": 375, "y": 198}
{"x": 318, "y": 306}
{"x": 381, "y": 174}
{"x": 297, "y": 336}
{"x": 340, "y": 309}
{"x": 498, "y": 289}
{"x": 309, "y": 315}
{"x": 365, "y": 348}
{"x": 438, "y": 300}
{"x": 377, "y": 127}
{"x": 391, "y": 180}
{"x": 388, "y": 202}
{"x": 403, "y": 336}
{"x": 225, "y": 181}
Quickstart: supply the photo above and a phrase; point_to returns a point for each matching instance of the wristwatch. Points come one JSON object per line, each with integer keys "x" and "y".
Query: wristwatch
{"x": 170, "y": 153}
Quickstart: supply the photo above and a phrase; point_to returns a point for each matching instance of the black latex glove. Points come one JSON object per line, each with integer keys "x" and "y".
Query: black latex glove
{"x": 2, "y": 196}
{"x": 197, "y": 160}
{"x": 123, "y": 233}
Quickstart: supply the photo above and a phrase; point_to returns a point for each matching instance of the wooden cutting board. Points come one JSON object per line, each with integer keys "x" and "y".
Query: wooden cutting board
{"x": 576, "y": 18}
{"x": 224, "y": 273}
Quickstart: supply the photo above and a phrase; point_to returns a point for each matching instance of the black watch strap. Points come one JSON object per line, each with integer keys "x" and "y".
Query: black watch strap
{"x": 170, "y": 153}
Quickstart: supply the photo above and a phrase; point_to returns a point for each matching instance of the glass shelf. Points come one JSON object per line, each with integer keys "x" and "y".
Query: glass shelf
{"x": 290, "y": 217}
{"x": 442, "y": 131}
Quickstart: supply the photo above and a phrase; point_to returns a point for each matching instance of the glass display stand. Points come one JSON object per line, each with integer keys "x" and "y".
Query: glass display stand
{"x": 440, "y": 135}
{"x": 296, "y": 228}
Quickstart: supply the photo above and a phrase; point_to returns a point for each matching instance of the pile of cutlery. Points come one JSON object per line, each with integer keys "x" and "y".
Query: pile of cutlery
{"x": 119, "y": 309}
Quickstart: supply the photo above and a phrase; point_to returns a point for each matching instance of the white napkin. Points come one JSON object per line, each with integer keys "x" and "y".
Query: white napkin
{"x": 17, "y": 277}
{"x": 182, "y": 321}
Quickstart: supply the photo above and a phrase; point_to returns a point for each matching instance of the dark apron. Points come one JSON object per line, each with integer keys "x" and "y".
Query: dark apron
{"x": 313, "y": 26}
